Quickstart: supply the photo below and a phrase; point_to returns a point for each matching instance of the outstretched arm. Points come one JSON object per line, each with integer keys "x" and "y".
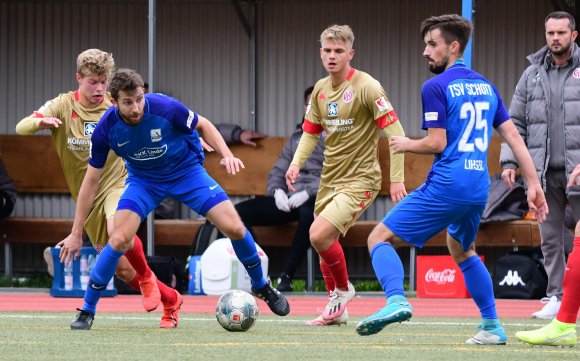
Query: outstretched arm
{"x": 213, "y": 137}
{"x": 71, "y": 245}
{"x": 434, "y": 143}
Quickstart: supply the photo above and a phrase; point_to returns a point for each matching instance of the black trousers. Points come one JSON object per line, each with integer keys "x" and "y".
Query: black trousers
{"x": 262, "y": 211}
{"x": 6, "y": 204}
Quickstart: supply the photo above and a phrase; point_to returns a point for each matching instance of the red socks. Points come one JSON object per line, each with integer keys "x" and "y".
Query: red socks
{"x": 327, "y": 276}
{"x": 137, "y": 259}
{"x": 571, "y": 286}
{"x": 336, "y": 263}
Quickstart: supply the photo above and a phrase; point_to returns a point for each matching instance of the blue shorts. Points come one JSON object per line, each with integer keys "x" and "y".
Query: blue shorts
{"x": 196, "y": 189}
{"x": 419, "y": 217}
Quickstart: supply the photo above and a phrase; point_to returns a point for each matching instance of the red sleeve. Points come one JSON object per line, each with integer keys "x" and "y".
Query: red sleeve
{"x": 311, "y": 128}
{"x": 387, "y": 119}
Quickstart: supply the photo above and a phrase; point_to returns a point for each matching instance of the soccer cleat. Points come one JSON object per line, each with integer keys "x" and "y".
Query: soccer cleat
{"x": 337, "y": 303}
{"x": 550, "y": 309}
{"x": 170, "y": 317}
{"x": 555, "y": 333}
{"x": 150, "y": 292}
{"x": 319, "y": 321}
{"x": 396, "y": 310}
{"x": 83, "y": 321}
{"x": 284, "y": 283}
{"x": 492, "y": 333}
{"x": 273, "y": 298}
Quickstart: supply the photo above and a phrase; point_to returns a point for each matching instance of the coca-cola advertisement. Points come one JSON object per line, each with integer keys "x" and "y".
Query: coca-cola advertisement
{"x": 439, "y": 277}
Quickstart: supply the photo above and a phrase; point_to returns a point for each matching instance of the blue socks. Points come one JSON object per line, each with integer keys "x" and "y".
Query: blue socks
{"x": 100, "y": 277}
{"x": 388, "y": 269}
{"x": 247, "y": 253}
{"x": 480, "y": 287}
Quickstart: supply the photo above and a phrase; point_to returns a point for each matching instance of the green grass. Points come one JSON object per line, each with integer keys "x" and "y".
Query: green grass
{"x": 34, "y": 280}
{"x": 46, "y": 336}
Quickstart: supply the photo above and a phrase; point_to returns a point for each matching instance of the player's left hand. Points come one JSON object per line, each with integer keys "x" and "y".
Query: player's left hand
{"x": 232, "y": 164}
{"x": 398, "y": 192}
{"x": 399, "y": 144}
{"x": 537, "y": 202}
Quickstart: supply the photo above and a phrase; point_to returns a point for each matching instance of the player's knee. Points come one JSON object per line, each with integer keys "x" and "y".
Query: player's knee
{"x": 236, "y": 230}
{"x": 120, "y": 242}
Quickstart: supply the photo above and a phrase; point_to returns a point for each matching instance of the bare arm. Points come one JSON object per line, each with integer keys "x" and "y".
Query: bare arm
{"x": 434, "y": 143}
{"x": 32, "y": 124}
{"x": 535, "y": 194}
{"x": 213, "y": 137}
{"x": 71, "y": 245}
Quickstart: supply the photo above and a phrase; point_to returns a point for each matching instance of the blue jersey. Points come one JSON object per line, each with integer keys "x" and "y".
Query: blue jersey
{"x": 465, "y": 104}
{"x": 163, "y": 146}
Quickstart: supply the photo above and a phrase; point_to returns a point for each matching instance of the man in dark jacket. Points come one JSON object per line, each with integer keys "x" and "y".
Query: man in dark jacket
{"x": 7, "y": 191}
{"x": 546, "y": 110}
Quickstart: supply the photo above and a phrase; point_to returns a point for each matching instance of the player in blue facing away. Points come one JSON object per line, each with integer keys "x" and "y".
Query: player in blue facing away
{"x": 460, "y": 107}
{"x": 156, "y": 136}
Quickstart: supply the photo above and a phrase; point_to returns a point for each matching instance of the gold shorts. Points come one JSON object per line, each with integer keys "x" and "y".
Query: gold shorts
{"x": 103, "y": 209}
{"x": 343, "y": 206}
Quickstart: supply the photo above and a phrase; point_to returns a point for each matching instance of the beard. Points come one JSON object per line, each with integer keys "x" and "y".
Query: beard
{"x": 563, "y": 49}
{"x": 437, "y": 68}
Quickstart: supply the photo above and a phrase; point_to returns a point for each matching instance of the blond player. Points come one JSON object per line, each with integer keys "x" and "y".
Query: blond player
{"x": 352, "y": 108}
{"x": 71, "y": 118}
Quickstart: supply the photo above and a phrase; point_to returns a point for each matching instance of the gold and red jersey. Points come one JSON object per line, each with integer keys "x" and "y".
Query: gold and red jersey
{"x": 352, "y": 114}
{"x": 72, "y": 140}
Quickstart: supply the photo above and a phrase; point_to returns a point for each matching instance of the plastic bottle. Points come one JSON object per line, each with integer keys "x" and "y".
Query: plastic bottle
{"x": 68, "y": 276}
{"x": 85, "y": 274}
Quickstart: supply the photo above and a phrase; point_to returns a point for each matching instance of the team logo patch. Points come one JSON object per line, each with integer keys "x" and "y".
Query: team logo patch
{"x": 576, "y": 73}
{"x": 347, "y": 96}
{"x": 382, "y": 104}
{"x": 333, "y": 109}
{"x": 89, "y": 128}
{"x": 155, "y": 135}
{"x": 431, "y": 116}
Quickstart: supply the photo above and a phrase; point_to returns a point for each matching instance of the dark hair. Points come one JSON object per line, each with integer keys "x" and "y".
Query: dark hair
{"x": 562, "y": 15}
{"x": 453, "y": 28}
{"x": 307, "y": 93}
{"x": 126, "y": 80}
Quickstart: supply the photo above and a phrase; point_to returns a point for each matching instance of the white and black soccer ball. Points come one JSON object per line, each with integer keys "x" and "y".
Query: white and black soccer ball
{"x": 237, "y": 311}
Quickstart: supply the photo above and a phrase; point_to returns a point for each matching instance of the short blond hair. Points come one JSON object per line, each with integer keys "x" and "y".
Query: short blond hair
{"x": 95, "y": 62}
{"x": 338, "y": 33}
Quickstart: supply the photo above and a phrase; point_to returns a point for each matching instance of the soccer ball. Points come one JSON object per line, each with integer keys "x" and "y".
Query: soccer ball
{"x": 237, "y": 311}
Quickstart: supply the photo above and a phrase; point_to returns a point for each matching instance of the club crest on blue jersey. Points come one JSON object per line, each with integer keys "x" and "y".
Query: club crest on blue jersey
{"x": 89, "y": 128}
{"x": 156, "y": 135}
{"x": 333, "y": 109}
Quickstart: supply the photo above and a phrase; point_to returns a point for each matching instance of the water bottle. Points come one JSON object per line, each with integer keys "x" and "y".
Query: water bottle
{"x": 85, "y": 275}
{"x": 68, "y": 276}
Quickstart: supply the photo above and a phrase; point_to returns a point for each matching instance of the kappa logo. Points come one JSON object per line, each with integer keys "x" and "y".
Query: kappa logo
{"x": 333, "y": 109}
{"x": 512, "y": 278}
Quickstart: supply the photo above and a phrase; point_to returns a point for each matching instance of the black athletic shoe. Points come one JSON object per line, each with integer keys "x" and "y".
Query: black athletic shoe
{"x": 273, "y": 298}
{"x": 284, "y": 283}
{"x": 83, "y": 321}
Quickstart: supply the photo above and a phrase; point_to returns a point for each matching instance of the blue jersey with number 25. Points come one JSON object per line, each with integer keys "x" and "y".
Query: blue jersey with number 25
{"x": 465, "y": 104}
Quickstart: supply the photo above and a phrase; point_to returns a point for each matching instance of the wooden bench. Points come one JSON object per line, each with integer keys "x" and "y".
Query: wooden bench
{"x": 33, "y": 164}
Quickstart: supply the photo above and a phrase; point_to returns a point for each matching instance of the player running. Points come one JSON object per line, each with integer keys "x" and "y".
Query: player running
{"x": 71, "y": 118}
{"x": 460, "y": 107}
{"x": 156, "y": 136}
{"x": 352, "y": 108}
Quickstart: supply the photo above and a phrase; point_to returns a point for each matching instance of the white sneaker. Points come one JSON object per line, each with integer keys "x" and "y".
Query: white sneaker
{"x": 550, "y": 310}
{"x": 337, "y": 303}
{"x": 319, "y": 321}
